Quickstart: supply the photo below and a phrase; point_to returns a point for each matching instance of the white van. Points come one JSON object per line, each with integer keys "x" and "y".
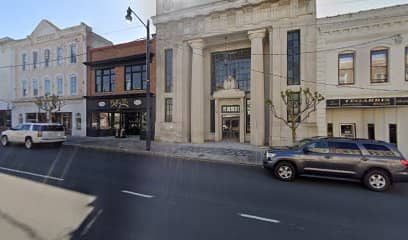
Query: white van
{"x": 34, "y": 133}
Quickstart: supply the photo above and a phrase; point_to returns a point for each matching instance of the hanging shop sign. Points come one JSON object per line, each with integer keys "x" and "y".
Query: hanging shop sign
{"x": 367, "y": 102}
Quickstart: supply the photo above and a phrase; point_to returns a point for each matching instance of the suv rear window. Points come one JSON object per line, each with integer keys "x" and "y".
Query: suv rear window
{"x": 26, "y": 127}
{"x": 347, "y": 148}
{"x": 52, "y": 128}
{"x": 379, "y": 150}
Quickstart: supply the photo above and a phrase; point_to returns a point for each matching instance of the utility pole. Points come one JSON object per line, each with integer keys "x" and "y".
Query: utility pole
{"x": 148, "y": 97}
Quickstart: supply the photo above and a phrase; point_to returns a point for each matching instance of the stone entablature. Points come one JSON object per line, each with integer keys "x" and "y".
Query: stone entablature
{"x": 174, "y": 10}
{"x": 235, "y": 19}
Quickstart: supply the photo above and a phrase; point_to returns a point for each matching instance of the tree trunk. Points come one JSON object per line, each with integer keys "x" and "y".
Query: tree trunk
{"x": 49, "y": 117}
{"x": 293, "y": 136}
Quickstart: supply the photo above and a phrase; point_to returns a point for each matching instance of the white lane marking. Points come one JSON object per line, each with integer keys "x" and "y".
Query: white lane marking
{"x": 89, "y": 225}
{"x": 31, "y": 174}
{"x": 54, "y": 163}
{"x": 68, "y": 165}
{"x": 258, "y": 218}
{"x": 137, "y": 194}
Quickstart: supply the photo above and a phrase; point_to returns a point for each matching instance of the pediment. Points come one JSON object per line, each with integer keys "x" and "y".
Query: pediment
{"x": 44, "y": 28}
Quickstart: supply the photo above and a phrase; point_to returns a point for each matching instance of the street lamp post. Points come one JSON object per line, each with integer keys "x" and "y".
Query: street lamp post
{"x": 148, "y": 100}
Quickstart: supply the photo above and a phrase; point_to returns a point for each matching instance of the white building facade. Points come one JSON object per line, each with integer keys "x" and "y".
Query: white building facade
{"x": 218, "y": 62}
{"x": 6, "y": 80}
{"x": 49, "y": 62}
{"x": 362, "y": 69}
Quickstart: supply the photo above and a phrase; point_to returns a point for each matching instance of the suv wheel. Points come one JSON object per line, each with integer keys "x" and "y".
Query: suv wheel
{"x": 28, "y": 143}
{"x": 4, "y": 141}
{"x": 285, "y": 171}
{"x": 377, "y": 180}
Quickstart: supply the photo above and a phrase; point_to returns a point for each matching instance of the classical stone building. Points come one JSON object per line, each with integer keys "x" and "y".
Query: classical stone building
{"x": 49, "y": 61}
{"x": 362, "y": 69}
{"x": 6, "y": 80}
{"x": 219, "y": 61}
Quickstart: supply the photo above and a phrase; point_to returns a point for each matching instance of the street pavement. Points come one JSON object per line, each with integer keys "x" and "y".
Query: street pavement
{"x": 145, "y": 197}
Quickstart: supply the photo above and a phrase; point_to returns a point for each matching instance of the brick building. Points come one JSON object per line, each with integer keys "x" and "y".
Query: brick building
{"x": 116, "y": 89}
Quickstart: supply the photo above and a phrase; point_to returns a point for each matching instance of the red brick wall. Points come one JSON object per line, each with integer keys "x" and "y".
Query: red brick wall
{"x": 118, "y": 51}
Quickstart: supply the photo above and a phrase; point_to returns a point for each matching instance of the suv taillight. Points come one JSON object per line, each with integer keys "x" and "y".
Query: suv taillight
{"x": 405, "y": 163}
{"x": 39, "y": 134}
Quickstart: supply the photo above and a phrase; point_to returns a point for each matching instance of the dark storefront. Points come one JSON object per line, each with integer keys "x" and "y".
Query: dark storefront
{"x": 5, "y": 119}
{"x": 108, "y": 115}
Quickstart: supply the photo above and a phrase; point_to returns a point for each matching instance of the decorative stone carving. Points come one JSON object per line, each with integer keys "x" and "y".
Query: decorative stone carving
{"x": 230, "y": 83}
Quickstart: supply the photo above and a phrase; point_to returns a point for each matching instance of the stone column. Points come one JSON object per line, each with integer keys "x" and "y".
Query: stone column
{"x": 257, "y": 87}
{"x": 242, "y": 127}
{"x": 218, "y": 123}
{"x": 197, "y": 92}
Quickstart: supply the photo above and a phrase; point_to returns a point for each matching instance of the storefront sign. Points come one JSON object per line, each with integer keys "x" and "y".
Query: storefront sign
{"x": 101, "y": 104}
{"x": 231, "y": 109}
{"x": 137, "y": 102}
{"x": 367, "y": 102}
{"x": 116, "y": 104}
{"x": 119, "y": 103}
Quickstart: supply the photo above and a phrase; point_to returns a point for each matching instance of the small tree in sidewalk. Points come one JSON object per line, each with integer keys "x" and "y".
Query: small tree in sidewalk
{"x": 49, "y": 104}
{"x": 299, "y": 107}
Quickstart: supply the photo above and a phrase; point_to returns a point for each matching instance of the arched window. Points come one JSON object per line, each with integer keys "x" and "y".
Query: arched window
{"x": 73, "y": 84}
{"x": 47, "y": 56}
{"x": 78, "y": 121}
{"x": 47, "y": 87}
{"x": 379, "y": 65}
{"x": 346, "y": 66}
{"x": 35, "y": 87}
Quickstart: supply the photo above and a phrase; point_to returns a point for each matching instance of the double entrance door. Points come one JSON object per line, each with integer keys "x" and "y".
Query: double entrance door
{"x": 230, "y": 128}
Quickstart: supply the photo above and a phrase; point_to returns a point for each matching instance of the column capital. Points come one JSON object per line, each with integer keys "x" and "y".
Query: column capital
{"x": 197, "y": 43}
{"x": 260, "y": 33}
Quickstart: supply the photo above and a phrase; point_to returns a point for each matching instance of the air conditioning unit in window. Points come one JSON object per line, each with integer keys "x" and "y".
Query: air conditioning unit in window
{"x": 380, "y": 76}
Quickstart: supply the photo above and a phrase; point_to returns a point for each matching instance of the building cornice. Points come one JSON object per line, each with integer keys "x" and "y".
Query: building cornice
{"x": 370, "y": 20}
{"x": 223, "y": 6}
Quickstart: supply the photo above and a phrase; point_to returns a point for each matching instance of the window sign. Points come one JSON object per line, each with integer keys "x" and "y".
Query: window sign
{"x": 348, "y": 130}
{"x": 231, "y": 109}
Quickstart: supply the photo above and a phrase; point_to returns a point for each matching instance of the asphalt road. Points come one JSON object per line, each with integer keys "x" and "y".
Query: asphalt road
{"x": 139, "y": 197}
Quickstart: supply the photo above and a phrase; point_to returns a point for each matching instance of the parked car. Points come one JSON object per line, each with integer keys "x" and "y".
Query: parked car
{"x": 377, "y": 164}
{"x": 34, "y": 133}
{"x": 3, "y": 128}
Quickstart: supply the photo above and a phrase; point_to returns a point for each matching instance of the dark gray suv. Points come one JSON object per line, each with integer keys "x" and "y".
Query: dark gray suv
{"x": 377, "y": 164}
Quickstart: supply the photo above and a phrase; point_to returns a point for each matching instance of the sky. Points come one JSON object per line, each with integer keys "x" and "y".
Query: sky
{"x": 107, "y": 17}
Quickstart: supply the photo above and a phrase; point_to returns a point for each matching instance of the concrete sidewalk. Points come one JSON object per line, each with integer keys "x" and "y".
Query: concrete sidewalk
{"x": 225, "y": 152}
{"x": 34, "y": 211}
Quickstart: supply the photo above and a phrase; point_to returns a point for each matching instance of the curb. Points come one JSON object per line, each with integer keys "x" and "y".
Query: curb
{"x": 161, "y": 154}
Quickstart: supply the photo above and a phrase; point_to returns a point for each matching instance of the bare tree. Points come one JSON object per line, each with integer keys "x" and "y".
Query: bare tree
{"x": 298, "y": 111}
{"x": 49, "y": 104}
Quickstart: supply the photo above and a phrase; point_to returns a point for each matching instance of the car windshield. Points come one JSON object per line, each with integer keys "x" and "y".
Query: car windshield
{"x": 301, "y": 143}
